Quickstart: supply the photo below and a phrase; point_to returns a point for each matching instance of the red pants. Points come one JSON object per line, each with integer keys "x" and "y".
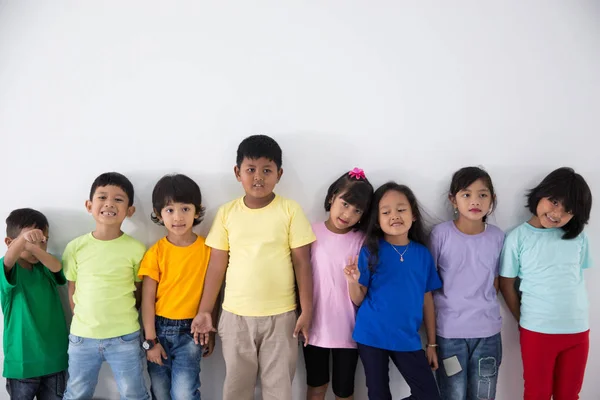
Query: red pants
{"x": 553, "y": 365}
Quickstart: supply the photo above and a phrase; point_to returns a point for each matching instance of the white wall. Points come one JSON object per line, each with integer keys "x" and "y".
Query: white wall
{"x": 409, "y": 91}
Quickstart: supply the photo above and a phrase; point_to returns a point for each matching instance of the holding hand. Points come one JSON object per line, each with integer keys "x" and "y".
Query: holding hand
{"x": 202, "y": 327}
{"x": 156, "y": 354}
{"x": 351, "y": 270}
{"x": 432, "y": 357}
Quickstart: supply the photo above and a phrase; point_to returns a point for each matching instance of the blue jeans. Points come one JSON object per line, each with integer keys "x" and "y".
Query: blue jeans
{"x": 479, "y": 360}
{"x": 48, "y": 387}
{"x": 179, "y": 376}
{"x": 125, "y": 356}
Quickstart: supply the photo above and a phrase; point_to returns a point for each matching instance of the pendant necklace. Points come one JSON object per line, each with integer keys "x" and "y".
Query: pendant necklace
{"x": 401, "y": 254}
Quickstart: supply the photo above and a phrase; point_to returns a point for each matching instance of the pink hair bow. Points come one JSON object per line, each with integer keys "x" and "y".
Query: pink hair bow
{"x": 357, "y": 173}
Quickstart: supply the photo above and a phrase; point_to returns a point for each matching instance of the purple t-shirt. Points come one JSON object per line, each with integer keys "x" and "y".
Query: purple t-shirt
{"x": 467, "y": 305}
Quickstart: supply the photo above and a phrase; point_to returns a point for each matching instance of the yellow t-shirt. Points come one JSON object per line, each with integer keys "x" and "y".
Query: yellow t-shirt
{"x": 260, "y": 276}
{"x": 104, "y": 272}
{"x": 180, "y": 273}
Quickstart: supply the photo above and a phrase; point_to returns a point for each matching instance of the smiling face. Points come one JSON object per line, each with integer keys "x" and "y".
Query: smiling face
{"x": 395, "y": 214}
{"x": 258, "y": 177}
{"x": 473, "y": 202}
{"x": 550, "y": 213}
{"x": 109, "y": 205}
{"x": 342, "y": 215}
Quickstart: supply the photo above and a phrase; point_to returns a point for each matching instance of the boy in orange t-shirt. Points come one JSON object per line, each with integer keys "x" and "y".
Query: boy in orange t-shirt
{"x": 173, "y": 272}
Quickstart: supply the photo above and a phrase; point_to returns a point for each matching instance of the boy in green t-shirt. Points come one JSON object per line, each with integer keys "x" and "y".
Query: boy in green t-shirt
{"x": 35, "y": 331}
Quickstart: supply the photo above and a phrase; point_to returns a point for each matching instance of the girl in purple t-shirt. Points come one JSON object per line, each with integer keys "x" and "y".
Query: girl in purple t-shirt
{"x": 338, "y": 238}
{"x": 467, "y": 252}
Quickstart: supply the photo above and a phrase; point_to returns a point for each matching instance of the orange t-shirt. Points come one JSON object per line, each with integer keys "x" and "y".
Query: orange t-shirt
{"x": 180, "y": 273}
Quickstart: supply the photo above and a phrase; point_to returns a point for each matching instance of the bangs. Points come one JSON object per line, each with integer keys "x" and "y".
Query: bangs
{"x": 358, "y": 195}
{"x": 573, "y": 194}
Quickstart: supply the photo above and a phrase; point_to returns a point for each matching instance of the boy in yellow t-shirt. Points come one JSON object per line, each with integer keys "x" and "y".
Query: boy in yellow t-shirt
{"x": 260, "y": 245}
{"x": 173, "y": 272}
{"x": 101, "y": 268}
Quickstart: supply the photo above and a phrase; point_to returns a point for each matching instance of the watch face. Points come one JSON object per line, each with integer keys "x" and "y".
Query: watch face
{"x": 146, "y": 345}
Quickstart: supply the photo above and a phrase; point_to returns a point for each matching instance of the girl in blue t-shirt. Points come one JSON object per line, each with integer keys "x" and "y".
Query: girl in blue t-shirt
{"x": 391, "y": 282}
{"x": 548, "y": 254}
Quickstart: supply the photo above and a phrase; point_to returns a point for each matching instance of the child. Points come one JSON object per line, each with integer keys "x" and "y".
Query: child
{"x": 549, "y": 253}
{"x": 467, "y": 253}
{"x": 35, "y": 331}
{"x": 259, "y": 242}
{"x": 173, "y": 271}
{"x": 101, "y": 268}
{"x": 391, "y": 282}
{"x": 333, "y": 312}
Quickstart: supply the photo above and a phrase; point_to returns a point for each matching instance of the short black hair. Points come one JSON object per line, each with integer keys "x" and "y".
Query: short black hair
{"x": 569, "y": 188}
{"x": 113, "y": 179}
{"x": 464, "y": 177}
{"x": 356, "y": 191}
{"x": 176, "y": 188}
{"x": 24, "y": 218}
{"x": 257, "y": 146}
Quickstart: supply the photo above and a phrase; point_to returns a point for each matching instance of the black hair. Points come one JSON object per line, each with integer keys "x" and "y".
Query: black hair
{"x": 356, "y": 191}
{"x": 24, "y": 218}
{"x": 570, "y": 189}
{"x": 257, "y": 146}
{"x": 416, "y": 233}
{"x": 113, "y": 179}
{"x": 176, "y": 188}
{"x": 464, "y": 177}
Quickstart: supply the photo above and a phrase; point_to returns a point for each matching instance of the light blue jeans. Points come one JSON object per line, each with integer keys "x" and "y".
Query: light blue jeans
{"x": 479, "y": 360}
{"x": 125, "y": 356}
{"x": 179, "y": 376}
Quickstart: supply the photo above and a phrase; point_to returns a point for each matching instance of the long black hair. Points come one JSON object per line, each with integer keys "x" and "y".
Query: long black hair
{"x": 416, "y": 233}
{"x": 569, "y": 188}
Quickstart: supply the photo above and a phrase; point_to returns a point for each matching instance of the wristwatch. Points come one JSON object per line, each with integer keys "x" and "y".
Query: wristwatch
{"x": 149, "y": 343}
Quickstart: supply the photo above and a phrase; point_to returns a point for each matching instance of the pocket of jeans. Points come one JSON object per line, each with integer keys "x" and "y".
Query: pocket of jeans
{"x": 75, "y": 340}
{"x": 130, "y": 337}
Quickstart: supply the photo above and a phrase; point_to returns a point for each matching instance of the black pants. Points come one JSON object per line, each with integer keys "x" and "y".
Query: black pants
{"x": 344, "y": 368}
{"x": 412, "y": 365}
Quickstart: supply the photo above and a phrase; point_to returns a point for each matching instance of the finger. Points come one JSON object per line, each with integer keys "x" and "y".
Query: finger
{"x": 163, "y": 353}
{"x": 305, "y": 334}
{"x": 195, "y": 337}
{"x": 296, "y": 330}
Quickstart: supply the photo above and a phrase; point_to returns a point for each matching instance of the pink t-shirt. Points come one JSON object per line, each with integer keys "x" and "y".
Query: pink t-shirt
{"x": 334, "y": 313}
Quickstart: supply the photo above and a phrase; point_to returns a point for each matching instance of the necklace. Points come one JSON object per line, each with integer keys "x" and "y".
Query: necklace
{"x": 401, "y": 254}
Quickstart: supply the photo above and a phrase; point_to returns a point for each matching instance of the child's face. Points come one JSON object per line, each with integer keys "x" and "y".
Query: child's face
{"x": 109, "y": 205}
{"x": 342, "y": 215}
{"x": 395, "y": 214}
{"x": 258, "y": 177}
{"x": 179, "y": 218}
{"x": 474, "y": 202}
{"x": 552, "y": 214}
{"x": 26, "y": 255}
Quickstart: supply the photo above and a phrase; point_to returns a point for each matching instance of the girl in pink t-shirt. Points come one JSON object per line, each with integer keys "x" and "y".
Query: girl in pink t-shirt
{"x": 338, "y": 238}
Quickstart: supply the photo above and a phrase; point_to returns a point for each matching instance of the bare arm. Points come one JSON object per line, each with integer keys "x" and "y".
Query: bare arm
{"x": 497, "y": 284}
{"x": 15, "y": 249}
{"x": 215, "y": 275}
{"x": 49, "y": 261}
{"x": 303, "y": 272}
{"x": 429, "y": 317}
{"x": 149, "y": 286}
{"x": 71, "y": 287}
{"x": 511, "y": 297}
{"x": 357, "y": 293}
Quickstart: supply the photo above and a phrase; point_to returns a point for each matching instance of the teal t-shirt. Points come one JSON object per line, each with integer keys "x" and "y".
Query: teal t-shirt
{"x": 554, "y": 297}
{"x": 35, "y": 330}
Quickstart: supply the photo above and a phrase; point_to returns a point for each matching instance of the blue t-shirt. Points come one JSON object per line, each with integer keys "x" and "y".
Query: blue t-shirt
{"x": 554, "y": 298}
{"x": 392, "y": 312}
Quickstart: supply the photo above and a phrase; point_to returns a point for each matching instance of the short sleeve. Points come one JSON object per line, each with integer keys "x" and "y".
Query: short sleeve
{"x": 218, "y": 237}
{"x": 501, "y": 238}
{"x": 149, "y": 265}
{"x": 69, "y": 263}
{"x": 301, "y": 232}
{"x": 433, "y": 279}
{"x": 435, "y": 246}
{"x": 136, "y": 263}
{"x": 510, "y": 259}
{"x": 57, "y": 277}
{"x": 8, "y": 281}
{"x": 586, "y": 258}
{"x": 363, "y": 267}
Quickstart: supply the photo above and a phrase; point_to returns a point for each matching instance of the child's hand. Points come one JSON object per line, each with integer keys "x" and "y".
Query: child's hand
{"x": 202, "y": 326}
{"x": 34, "y": 237}
{"x": 351, "y": 270}
{"x": 432, "y": 357}
{"x": 156, "y": 354}
{"x": 303, "y": 327}
{"x": 210, "y": 346}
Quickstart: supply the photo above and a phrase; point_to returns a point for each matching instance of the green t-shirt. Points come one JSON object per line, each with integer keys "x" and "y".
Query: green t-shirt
{"x": 35, "y": 330}
{"x": 104, "y": 272}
